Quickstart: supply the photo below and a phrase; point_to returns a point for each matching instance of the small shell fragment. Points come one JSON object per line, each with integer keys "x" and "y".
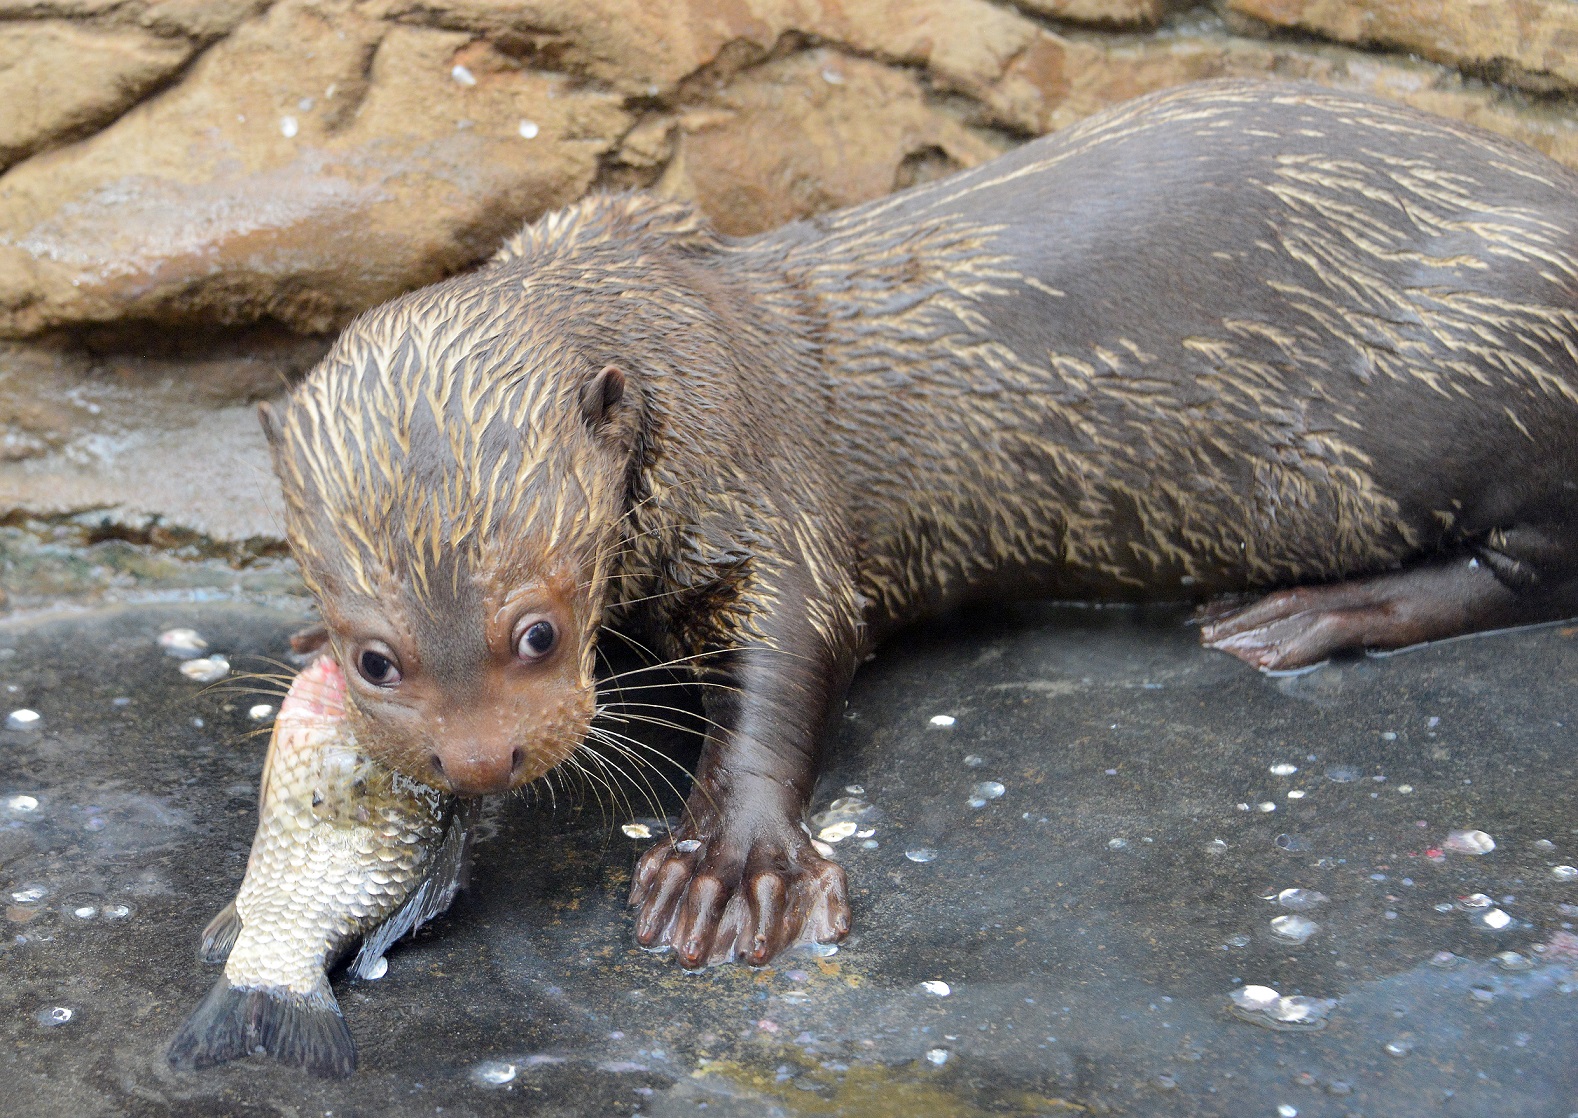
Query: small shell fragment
{"x": 1469, "y": 842}
{"x": 209, "y": 669}
{"x": 23, "y": 719}
{"x": 183, "y": 644}
{"x": 637, "y": 830}
{"x": 938, "y": 987}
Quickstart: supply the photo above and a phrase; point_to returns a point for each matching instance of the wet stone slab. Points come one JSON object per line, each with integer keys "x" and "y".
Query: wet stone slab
{"x": 1057, "y": 893}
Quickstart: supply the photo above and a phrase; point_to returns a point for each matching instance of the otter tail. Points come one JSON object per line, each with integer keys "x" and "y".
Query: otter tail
{"x": 233, "y": 1021}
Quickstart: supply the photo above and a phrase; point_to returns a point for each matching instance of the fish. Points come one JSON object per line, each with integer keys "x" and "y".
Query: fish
{"x": 345, "y": 850}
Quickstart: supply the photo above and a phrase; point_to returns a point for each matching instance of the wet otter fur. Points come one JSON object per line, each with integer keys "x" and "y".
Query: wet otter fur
{"x": 1230, "y": 338}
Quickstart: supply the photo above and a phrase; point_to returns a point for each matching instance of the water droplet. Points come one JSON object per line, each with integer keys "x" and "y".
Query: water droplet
{"x": 114, "y": 913}
{"x": 1484, "y": 995}
{"x": 260, "y": 712}
{"x": 1402, "y": 1046}
{"x": 685, "y": 846}
{"x": 1292, "y": 843}
{"x": 1239, "y": 940}
{"x": 183, "y": 644}
{"x": 379, "y": 968}
{"x": 1564, "y": 873}
{"x": 1117, "y": 843}
{"x": 1474, "y": 901}
{"x": 837, "y": 832}
{"x": 1445, "y": 906}
{"x": 1342, "y": 774}
{"x": 30, "y": 893}
{"x": 1284, "y": 769}
{"x": 288, "y": 127}
{"x": 1261, "y": 1005}
{"x": 528, "y": 129}
{"x": 937, "y": 986}
{"x": 85, "y": 911}
{"x": 1339, "y": 1087}
{"x": 208, "y": 669}
{"x": 1469, "y": 842}
{"x": 987, "y": 790}
{"x": 937, "y": 1056}
{"x": 795, "y": 997}
{"x": 943, "y": 720}
{"x": 974, "y": 760}
{"x": 821, "y": 950}
{"x": 869, "y": 844}
{"x": 636, "y": 830}
{"x": 1294, "y": 929}
{"x": 1495, "y": 919}
{"x": 22, "y": 803}
{"x": 462, "y": 75}
{"x": 920, "y": 854}
{"x": 23, "y": 719}
{"x": 1544, "y": 844}
{"x": 495, "y": 1073}
{"x": 53, "y": 1016}
{"x": 1165, "y": 1082}
{"x": 1301, "y": 900}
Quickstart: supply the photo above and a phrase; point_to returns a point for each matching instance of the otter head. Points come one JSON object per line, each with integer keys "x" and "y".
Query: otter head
{"x": 453, "y": 488}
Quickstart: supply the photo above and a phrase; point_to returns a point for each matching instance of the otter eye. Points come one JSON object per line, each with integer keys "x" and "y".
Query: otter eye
{"x": 536, "y": 640}
{"x": 378, "y": 668}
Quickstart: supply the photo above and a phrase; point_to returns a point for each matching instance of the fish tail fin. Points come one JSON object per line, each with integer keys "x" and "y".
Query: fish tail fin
{"x": 306, "y": 1031}
{"x": 220, "y": 935}
{"x": 447, "y": 876}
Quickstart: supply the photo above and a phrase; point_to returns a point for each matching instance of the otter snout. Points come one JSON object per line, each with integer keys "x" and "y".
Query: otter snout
{"x": 476, "y": 771}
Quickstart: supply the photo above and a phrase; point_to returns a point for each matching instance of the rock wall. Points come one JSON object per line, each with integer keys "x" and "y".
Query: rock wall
{"x": 173, "y": 168}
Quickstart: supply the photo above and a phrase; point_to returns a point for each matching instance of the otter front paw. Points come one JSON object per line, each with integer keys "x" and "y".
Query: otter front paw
{"x": 714, "y": 897}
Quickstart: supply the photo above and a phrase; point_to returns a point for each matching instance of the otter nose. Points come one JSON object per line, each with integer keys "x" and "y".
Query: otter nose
{"x": 477, "y": 773}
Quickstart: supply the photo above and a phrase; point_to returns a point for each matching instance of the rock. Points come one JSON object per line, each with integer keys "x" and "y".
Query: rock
{"x": 1113, "y": 13}
{"x": 59, "y": 80}
{"x": 1527, "y": 42}
{"x": 297, "y": 185}
{"x": 846, "y": 130}
{"x": 201, "y": 20}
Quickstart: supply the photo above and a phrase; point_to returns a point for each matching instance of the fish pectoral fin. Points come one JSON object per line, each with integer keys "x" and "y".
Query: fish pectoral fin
{"x": 432, "y": 897}
{"x": 306, "y": 1031}
{"x": 220, "y": 935}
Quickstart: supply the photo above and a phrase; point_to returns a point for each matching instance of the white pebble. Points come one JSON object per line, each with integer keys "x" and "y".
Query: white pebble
{"x": 288, "y": 127}
{"x": 1266, "y": 806}
{"x": 528, "y": 129}
{"x": 1296, "y": 794}
{"x": 23, "y": 719}
{"x": 938, "y": 987}
{"x": 379, "y": 968}
{"x": 209, "y": 669}
{"x": 937, "y": 1056}
{"x": 260, "y": 712}
{"x": 22, "y": 802}
{"x": 462, "y": 75}
{"x": 1470, "y": 842}
{"x": 943, "y": 720}
{"x": 1284, "y": 769}
{"x": 184, "y": 643}
{"x": 1496, "y": 919}
{"x": 1564, "y": 873}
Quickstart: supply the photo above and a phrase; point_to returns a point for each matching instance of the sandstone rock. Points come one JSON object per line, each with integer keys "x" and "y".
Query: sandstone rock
{"x": 843, "y": 130}
{"x": 202, "y": 20}
{"x": 1115, "y": 13}
{"x": 59, "y": 80}
{"x": 1529, "y": 42}
{"x": 312, "y": 164}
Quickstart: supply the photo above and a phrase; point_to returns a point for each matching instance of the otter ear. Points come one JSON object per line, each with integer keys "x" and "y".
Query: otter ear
{"x": 601, "y": 395}
{"x": 269, "y": 418}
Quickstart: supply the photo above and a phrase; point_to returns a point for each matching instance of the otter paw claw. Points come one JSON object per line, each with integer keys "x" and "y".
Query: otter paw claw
{"x": 716, "y": 900}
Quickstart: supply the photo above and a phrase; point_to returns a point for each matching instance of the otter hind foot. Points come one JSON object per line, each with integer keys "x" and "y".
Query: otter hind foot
{"x": 1291, "y": 629}
{"x": 745, "y": 899}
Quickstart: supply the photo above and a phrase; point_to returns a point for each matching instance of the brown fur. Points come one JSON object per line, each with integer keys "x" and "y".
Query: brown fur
{"x": 1227, "y": 337}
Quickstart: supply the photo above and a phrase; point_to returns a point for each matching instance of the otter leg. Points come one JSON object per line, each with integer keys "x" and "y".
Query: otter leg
{"x": 739, "y": 879}
{"x": 1302, "y": 626}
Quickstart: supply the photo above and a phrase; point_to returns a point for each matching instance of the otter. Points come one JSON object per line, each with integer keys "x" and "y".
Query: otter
{"x": 1236, "y": 338}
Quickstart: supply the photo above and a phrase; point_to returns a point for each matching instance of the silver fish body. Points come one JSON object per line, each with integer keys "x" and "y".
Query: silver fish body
{"x": 345, "y": 850}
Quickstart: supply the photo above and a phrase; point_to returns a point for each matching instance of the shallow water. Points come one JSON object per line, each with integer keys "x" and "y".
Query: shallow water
{"x": 1090, "y": 922}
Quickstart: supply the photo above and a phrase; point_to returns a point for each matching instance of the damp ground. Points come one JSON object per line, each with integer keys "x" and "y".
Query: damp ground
{"x": 1072, "y": 836}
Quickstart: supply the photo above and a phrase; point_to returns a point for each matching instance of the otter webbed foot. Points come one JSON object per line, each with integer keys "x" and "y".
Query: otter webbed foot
{"x": 716, "y": 894}
{"x": 1296, "y": 628}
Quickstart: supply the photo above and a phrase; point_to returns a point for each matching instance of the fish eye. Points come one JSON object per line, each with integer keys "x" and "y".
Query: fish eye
{"x": 536, "y": 639}
{"x": 378, "y": 666}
